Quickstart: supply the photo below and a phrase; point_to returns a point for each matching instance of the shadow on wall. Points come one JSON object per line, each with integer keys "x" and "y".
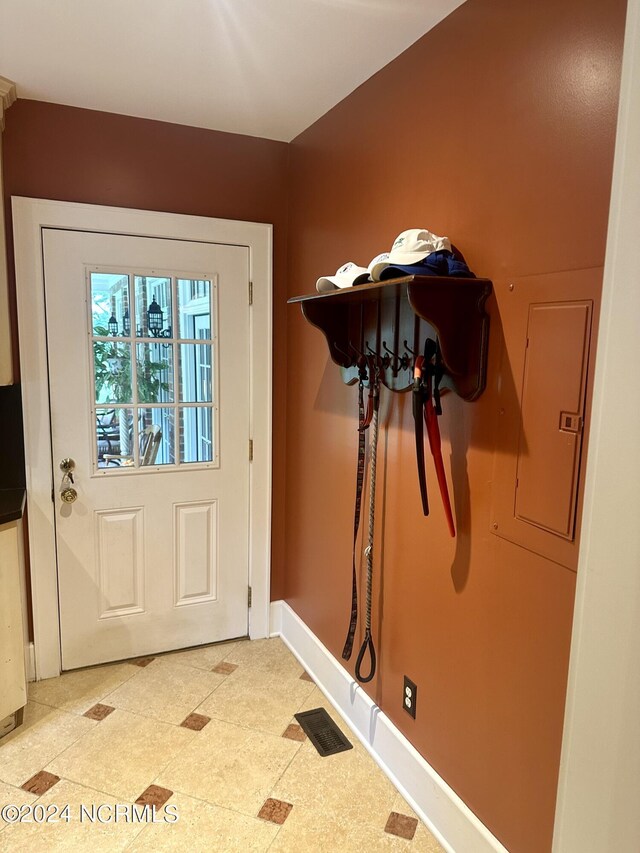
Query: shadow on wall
{"x": 345, "y": 402}
{"x": 462, "y": 504}
{"x": 479, "y": 431}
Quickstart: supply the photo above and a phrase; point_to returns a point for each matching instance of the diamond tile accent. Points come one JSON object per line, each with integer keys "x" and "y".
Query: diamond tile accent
{"x": 154, "y": 795}
{"x": 98, "y": 712}
{"x": 224, "y": 668}
{"x": 142, "y": 661}
{"x": 275, "y": 811}
{"x": 401, "y": 825}
{"x": 196, "y": 722}
{"x": 40, "y": 783}
{"x": 306, "y": 677}
{"x": 294, "y": 732}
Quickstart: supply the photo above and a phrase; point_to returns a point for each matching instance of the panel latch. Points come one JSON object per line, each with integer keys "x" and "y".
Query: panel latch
{"x": 570, "y": 423}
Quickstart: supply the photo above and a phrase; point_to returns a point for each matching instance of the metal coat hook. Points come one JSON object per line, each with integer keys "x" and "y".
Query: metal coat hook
{"x": 373, "y": 353}
{"x": 362, "y": 361}
{"x": 382, "y": 361}
{"x": 401, "y": 362}
{"x": 408, "y": 348}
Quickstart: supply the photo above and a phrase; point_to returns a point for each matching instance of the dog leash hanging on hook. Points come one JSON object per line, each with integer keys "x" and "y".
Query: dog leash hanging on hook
{"x": 432, "y": 409}
{"x": 367, "y": 643}
{"x": 428, "y": 373}
{"x": 364, "y": 420}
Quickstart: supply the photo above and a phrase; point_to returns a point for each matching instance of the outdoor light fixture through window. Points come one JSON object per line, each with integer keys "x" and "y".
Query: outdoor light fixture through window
{"x": 155, "y": 319}
{"x": 126, "y": 324}
{"x": 113, "y": 325}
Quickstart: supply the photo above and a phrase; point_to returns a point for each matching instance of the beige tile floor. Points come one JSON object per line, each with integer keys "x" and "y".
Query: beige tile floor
{"x": 198, "y": 735}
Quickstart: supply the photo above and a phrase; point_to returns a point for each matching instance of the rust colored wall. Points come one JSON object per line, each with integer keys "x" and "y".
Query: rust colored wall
{"x": 70, "y": 154}
{"x": 496, "y": 129}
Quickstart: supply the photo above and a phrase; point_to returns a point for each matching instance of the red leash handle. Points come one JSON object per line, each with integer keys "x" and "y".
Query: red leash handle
{"x": 433, "y": 431}
{"x": 418, "y": 404}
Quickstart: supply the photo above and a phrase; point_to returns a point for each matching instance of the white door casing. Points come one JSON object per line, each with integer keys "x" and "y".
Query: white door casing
{"x": 7, "y": 97}
{"x": 150, "y": 557}
{"x": 31, "y": 218}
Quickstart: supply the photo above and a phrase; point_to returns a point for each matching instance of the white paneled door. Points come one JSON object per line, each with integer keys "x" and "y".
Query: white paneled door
{"x": 148, "y": 347}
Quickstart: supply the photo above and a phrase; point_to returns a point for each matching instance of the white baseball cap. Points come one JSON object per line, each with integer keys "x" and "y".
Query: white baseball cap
{"x": 377, "y": 265}
{"x": 348, "y": 275}
{"x": 414, "y": 245}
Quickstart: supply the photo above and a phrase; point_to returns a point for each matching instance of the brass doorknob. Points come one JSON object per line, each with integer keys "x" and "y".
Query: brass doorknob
{"x": 68, "y": 495}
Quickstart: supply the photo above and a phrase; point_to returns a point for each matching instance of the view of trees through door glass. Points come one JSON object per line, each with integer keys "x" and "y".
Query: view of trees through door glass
{"x": 154, "y": 358}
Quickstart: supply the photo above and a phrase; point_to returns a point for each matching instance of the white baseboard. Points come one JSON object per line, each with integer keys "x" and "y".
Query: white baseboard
{"x": 30, "y": 661}
{"x": 451, "y": 821}
{"x": 275, "y": 619}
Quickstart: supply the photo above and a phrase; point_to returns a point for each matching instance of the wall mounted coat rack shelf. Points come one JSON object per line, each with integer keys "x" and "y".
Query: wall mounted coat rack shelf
{"x": 392, "y": 319}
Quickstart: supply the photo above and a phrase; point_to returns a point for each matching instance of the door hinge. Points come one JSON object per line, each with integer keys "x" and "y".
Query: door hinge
{"x": 249, "y": 597}
{"x": 250, "y": 293}
{"x": 250, "y": 450}
{"x": 53, "y": 500}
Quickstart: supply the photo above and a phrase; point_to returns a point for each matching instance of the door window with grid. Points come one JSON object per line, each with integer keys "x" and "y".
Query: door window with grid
{"x": 154, "y": 345}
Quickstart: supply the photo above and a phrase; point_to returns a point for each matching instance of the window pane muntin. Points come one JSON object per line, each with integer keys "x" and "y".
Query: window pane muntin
{"x": 154, "y": 369}
{"x": 163, "y": 418}
{"x": 202, "y": 295}
{"x": 149, "y": 289}
{"x": 196, "y": 385}
{"x": 112, "y": 372}
{"x": 114, "y": 436}
{"x": 110, "y": 297}
{"x": 194, "y": 299}
{"x": 196, "y": 434}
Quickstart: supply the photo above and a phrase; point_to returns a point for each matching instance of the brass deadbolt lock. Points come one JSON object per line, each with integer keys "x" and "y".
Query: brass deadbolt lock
{"x": 67, "y": 493}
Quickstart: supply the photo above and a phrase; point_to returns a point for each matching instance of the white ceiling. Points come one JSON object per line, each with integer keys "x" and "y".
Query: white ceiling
{"x": 265, "y": 68}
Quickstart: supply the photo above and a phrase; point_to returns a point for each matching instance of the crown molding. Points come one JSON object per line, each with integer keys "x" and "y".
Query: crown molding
{"x": 7, "y": 97}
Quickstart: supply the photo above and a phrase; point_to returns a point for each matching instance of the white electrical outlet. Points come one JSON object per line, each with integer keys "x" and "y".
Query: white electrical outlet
{"x": 410, "y": 696}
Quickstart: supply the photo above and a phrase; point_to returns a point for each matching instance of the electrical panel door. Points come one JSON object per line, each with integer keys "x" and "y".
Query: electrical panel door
{"x": 553, "y": 396}
{"x": 543, "y": 383}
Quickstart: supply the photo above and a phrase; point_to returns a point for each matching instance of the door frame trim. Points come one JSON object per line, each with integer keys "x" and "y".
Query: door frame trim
{"x": 30, "y": 217}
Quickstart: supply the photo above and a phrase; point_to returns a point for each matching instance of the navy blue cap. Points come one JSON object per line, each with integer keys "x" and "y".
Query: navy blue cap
{"x": 441, "y": 263}
{"x": 414, "y": 269}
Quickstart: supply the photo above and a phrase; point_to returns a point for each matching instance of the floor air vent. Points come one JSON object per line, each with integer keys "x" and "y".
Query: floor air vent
{"x": 323, "y": 732}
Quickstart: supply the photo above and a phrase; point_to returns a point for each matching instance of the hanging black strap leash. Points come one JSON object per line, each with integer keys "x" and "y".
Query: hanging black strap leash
{"x": 363, "y": 423}
{"x": 367, "y": 643}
